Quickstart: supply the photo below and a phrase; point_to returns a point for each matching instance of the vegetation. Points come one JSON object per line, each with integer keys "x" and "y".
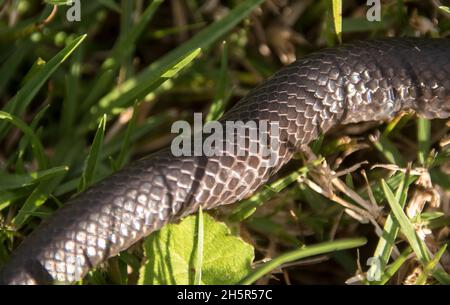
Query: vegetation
{"x": 81, "y": 99}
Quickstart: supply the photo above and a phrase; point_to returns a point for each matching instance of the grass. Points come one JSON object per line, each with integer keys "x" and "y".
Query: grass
{"x": 80, "y": 100}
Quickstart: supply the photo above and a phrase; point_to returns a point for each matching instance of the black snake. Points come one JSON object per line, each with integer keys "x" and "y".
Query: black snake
{"x": 366, "y": 80}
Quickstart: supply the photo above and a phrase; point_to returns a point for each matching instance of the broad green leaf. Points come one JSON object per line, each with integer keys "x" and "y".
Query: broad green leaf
{"x": 172, "y": 254}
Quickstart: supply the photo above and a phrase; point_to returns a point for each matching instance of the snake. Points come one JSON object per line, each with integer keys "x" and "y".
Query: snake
{"x": 366, "y": 80}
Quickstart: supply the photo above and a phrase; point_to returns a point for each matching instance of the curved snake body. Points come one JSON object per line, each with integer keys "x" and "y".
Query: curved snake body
{"x": 363, "y": 81}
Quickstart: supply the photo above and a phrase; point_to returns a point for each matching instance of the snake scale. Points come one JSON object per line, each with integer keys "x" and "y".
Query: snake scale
{"x": 362, "y": 81}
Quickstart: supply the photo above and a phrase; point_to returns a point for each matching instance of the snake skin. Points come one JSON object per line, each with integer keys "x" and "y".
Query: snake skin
{"x": 363, "y": 81}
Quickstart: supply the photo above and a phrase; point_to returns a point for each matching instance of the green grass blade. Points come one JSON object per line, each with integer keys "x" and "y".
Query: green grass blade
{"x": 220, "y": 100}
{"x": 445, "y": 9}
{"x": 37, "y": 66}
{"x": 406, "y": 225}
{"x": 423, "y": 138}
{"x": 394, "y": 182}
{"x": 87, "y": 176}
{"x": 394, "y": 267}
{"x": 391, "y": 228}
{"x": 8, "y": 197}
{"x": 389, "y": 151}
{"x": 200, "y": 239}
{"x": 336, "y": 9}
{"x": 422, "y": 279}
{"x": 112, "y": 103}
{"x": 247, "y": 207}
{"x": 36, "y": 144}
{"x": 110, "y": 4}
{"x": 126, "y": 141}
{"x": 8, "y": 182}
{"x": 37, "y": 198}
{"x": 124, "y": 47}
{"x": 141, "y": 85}
{"x": 70, "y": 106}
{"x": 18, "y": 104}
{"x": 24, "y": 142}
{"x": 308, "y": 251}
{"x": 12, "y": 63}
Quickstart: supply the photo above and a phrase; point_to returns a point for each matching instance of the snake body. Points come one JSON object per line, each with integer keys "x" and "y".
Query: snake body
{"x": 362, "y": 81}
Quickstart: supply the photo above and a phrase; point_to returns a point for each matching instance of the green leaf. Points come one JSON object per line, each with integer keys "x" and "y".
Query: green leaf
{"x": 172, "y": 254}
